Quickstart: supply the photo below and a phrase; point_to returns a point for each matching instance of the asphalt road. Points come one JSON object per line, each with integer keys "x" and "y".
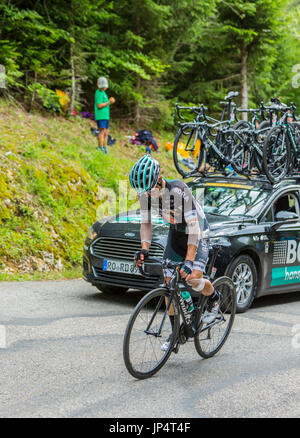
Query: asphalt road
{"x": 61, "y": 356}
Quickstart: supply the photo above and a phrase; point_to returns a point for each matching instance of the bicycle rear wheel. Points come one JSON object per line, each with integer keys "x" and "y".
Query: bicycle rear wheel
{"x": 294, "y": 166}
{"x": 210, "y": 338}
{"x": 276, "y": 154}
{"x": 148, "y": 328}
{"x": 187, "y": 151}
{"x": 262, "y": 132}
{"x": 259, "y": 138}
{"x": 240, "y": 153}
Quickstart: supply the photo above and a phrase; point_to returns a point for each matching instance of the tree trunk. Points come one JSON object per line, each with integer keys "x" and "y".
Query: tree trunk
{"x": 33, "y": 93}
{"x": 137, "y": 112}
{"x": 73, "y": 93}
{"x": 137, "y": 116}
{"x": 244, "y": 91}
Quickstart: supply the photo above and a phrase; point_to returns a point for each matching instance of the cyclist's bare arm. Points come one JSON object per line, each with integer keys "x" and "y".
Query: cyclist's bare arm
{"x": 146, "y": 236}
{"x": 191, "y": 252}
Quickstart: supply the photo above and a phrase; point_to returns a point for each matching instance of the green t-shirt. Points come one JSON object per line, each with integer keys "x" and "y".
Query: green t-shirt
{"x": 102, "y": 113}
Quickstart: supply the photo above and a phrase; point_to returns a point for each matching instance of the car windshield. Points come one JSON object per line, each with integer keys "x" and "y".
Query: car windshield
{"x": 231, "y": 199}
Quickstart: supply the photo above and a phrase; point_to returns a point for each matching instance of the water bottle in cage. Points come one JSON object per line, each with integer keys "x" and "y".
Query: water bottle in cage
{"x": 187, "y": 301}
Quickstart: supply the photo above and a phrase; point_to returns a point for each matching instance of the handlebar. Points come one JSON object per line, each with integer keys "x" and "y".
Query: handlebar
{"x": 165, "y": 263}
{"x": 276, "y": 106}
{"x": 248, "y": 110}
{"x": 197, "y": 110}
{"x": 169, "y": 264}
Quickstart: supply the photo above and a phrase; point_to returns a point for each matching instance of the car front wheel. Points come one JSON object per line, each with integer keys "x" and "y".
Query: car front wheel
{"x": 243, "y": 273}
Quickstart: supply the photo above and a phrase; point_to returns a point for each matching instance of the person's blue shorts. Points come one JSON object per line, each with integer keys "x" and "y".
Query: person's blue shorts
{"x": 103, "y": 123}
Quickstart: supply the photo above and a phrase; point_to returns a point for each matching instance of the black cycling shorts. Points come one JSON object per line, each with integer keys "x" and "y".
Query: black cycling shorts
{"x": 177, "y": 247}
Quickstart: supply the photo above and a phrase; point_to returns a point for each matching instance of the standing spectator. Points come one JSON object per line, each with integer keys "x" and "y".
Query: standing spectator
{"x": 102, "y": 104}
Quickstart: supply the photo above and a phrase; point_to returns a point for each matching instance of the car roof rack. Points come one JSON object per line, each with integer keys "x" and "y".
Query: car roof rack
{"x": 255, "y": 178}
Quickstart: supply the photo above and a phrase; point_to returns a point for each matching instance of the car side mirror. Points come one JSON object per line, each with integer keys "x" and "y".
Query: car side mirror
{"x": 284, "y": 217}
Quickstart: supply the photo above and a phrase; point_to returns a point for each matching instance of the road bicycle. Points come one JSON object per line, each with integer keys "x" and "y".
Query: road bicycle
{"x": 281, "y": 155}
{"x": 248, "y": 140}
{"x": 149, "y": 325}
{"x": 186, "y": 144}
{"x": 206, "y": 145}
{"x": 202, "y": 142}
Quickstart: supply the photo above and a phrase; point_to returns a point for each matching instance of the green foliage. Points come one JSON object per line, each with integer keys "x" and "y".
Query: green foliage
{"x": 154, "y": 52}
{"x": 54, "y": 184}
{"x": 49, "y": 98}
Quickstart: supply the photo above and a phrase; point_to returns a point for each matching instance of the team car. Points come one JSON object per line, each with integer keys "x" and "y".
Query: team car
{"x": 256, "y": 224}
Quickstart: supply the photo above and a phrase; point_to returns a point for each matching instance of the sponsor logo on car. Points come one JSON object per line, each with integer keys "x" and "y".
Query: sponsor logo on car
{"x": 286, "y": 252}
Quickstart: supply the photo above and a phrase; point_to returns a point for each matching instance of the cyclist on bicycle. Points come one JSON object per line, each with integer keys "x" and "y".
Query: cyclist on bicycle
{"x": 188, "y": 236}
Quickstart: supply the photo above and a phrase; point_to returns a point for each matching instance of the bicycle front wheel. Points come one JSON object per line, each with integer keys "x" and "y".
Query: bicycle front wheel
{"x": 149, "y": 327}
{"x": 187, "y": 151}
{"x": 210, "y": 338}
{"x": 276, "y": 154}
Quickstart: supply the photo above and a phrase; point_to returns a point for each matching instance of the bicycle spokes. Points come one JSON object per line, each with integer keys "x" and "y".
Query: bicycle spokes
{"x": 148, "y": 329}
{"x": 210, "y": 337}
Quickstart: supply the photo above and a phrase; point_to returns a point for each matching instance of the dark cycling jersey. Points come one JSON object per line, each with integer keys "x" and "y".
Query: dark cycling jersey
{"x": 178, "y": 207}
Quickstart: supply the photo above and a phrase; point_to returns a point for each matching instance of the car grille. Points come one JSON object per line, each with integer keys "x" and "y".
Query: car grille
{"x": 109, "y": 247}
{"x": 123, "y": 280}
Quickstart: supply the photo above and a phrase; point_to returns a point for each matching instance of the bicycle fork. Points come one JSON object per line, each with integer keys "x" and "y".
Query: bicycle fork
{"x": 166, "y": 312}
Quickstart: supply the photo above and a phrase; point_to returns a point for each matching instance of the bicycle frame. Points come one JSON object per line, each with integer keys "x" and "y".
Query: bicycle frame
{"x": 208, "y": 144}
{"x": 250, "y": 144}
{"x": 143, "y": 351}
{"x": 175, "y": 294}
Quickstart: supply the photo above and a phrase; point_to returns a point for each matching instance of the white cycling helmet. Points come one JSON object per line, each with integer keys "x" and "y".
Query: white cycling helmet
{"x": 102, "y": 82}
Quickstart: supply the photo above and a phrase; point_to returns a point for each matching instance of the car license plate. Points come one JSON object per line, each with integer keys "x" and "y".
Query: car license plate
{"x": 120, "y": 266}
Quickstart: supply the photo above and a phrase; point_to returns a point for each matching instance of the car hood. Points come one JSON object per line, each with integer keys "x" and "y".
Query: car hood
{"x": 128, "y": 225}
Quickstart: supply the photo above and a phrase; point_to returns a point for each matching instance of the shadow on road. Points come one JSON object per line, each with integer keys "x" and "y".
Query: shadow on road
{"x": 275, "y": 300}
{"x": 131, "y": 297}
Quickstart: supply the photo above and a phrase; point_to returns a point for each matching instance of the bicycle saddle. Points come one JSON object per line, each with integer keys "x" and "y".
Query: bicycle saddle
{"x": 276, "y": 100}
{"x": 231, "y": 95}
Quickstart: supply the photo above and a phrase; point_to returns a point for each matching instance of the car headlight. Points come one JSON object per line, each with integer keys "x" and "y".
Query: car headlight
{"x": 91, "y": 234}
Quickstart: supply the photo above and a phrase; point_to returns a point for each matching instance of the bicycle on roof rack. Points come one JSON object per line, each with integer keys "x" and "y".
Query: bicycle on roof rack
{"x": 207, "y": 146}
{"x": 281, "y": 154}
{"x": 248, "y": 138}
{"x": 149, "y": 325}
{"x": 201, "y": 142}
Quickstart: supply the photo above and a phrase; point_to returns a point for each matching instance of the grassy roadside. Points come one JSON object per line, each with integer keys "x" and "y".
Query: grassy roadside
{"x": 65, "y": 274}
{"x": 53, "y": 184}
